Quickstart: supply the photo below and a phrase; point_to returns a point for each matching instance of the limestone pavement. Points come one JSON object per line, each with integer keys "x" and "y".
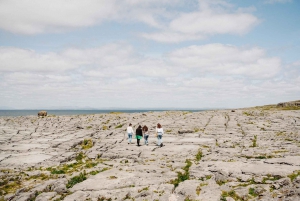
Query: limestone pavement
{"x": 246, "y": 154}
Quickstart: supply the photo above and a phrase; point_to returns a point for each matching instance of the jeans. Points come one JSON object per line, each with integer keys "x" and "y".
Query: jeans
{"x": 129, "y": 137}
{"x": 146, "y": 138}
{"x": 159, "y": 139}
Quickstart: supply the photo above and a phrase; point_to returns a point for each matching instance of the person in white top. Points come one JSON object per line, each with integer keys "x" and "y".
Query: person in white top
{"x": 160, "y": 132}
{"x": 130, "y": 133}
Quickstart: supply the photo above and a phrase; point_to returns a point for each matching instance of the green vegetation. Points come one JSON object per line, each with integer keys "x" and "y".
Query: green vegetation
{"x": 87, "y": 144}
{"x": 248, "y": 113}
{"x": 254, "y": 141}
{"x": 252, "y": 192}
{"x": 271, "y": 178}
{"x": 182, "y": 176}
{"x": 9, "y": 187}
{"x": 55, "y": 171}
{"x": 104, "y": 199}
{"x": 104, "y": 127}
{"x": 199, "y": 155}
{"x": 90, "y": 164}
{"x": 259, "y": 157}
{"x": 294, "y": 175}
{"x": 119, "y": 126}
{"x": 89, "y": 127}
{"x": 75, "y": 180}
{"x": 230, "y": 194}
{"x": 79, "y": 157}
{"x": 94, "y": 172}
{"x": 198, "y": 189}
{"x": 144, "y": 189}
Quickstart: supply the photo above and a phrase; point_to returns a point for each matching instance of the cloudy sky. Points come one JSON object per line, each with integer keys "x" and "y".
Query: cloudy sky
{"x": 148, "y": 53}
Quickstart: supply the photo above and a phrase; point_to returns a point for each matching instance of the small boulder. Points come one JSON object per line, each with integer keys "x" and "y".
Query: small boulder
{"x": 42, "y": 113}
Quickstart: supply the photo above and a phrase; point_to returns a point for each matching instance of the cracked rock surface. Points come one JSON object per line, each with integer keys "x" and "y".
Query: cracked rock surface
{"x": 245, "y": 154}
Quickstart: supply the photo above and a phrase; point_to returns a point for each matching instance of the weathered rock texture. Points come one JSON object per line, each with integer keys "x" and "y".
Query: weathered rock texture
{"x": 248, "y": 154}
{"x": 289, "y": 104}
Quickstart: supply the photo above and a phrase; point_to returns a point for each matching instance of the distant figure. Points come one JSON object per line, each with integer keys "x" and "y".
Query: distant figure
{"x": 42, "y": 113}
{"x": 160, "y": 132}
{"x": 130, "y": 133}
{"x": 146, "y": 134}
{"x": 139, "y": 134}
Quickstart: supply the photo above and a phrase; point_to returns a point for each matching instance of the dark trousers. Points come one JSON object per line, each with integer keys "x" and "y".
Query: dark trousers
{"x": 138, "y": 142}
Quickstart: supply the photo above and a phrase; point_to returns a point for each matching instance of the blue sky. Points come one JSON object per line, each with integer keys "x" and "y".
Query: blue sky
{"x": 182, "y": 54}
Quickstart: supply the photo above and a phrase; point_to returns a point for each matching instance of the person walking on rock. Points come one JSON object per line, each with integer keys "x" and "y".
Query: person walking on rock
{"x": 160, "y": 132}
{"x": 146, "y": 134}
{"x": 130, "y": 133}
{"x": 139, "y": 134}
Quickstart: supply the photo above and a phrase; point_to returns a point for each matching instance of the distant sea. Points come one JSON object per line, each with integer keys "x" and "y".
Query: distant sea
{"x": 15, "y": 113}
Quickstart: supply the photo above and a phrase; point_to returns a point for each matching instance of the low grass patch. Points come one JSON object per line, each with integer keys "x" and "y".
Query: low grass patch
{"x": 199, "y": 155}
{"x": 252, "y": 192}
{"x": 87, "y": 144}
{"x": 94, "y": 172}
{"x": 182, "y": 176}
{"x": 55, "y": 171}
{"x": 231, "y": 193}
{"x": 75, "y": 180}
{"x": 254, "y": 144}
{"x": 144, "y": 189}
{"x": 294, "y": 175}
{"x": 119, "y": 126}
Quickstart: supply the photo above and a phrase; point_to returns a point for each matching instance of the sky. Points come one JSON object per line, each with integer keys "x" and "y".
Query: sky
{"x": 148, "y": 54}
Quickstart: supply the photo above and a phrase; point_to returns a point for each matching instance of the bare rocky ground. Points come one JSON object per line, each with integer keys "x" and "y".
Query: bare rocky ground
{"x": 246, "y": 154}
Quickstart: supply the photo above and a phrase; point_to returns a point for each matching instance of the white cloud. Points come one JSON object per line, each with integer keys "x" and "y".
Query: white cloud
{"x": 120, "y": 60}
{"x": 212, "y": 18}
{"x": 16, "y": 59}
{"x": 222, "y": 59}
{"x": 36, "y": 17}
{"x": 115, "y": 75}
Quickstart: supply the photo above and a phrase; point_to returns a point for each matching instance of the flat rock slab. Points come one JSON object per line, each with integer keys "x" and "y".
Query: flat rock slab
{"x": 265, "y": 169}
{"x": 289, "y": 160}
{"x": 24, "y": 147}
{"x": 197, "y": 140}
{"x": 28, "y": 159}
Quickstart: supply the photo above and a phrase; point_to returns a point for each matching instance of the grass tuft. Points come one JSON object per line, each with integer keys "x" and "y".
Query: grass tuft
{"x": 75, "y": 180}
